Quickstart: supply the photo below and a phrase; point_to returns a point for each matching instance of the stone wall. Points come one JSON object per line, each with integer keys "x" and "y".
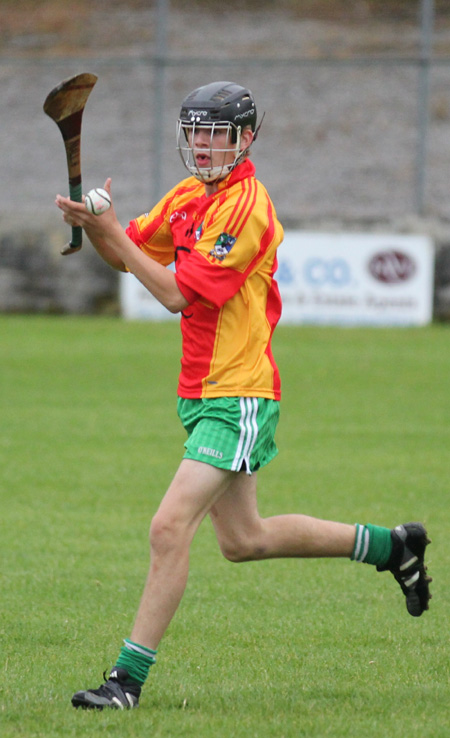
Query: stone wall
{"x": 35, "y": 278}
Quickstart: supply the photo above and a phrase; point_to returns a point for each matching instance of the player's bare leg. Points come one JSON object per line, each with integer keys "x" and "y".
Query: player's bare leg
{"x": 244, "y": 535}
{"x": 196, "y": 486}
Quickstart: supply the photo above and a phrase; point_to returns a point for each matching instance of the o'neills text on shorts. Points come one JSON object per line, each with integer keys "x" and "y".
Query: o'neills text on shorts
{"x": 210, "y": 452}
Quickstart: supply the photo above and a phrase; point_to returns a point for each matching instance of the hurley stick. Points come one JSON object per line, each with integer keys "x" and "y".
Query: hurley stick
{"x": 65, "y": 105}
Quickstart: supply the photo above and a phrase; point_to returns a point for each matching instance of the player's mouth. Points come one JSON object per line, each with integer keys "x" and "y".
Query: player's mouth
{"x": 202, "y": 160}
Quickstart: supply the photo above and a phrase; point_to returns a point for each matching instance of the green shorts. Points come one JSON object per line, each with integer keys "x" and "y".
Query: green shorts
{"x": 235, "y": 433}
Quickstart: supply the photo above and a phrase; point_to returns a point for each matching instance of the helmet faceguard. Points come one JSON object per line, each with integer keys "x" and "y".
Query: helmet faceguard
{"x": 218, "y": 107}
{"x": 186, "y": 135}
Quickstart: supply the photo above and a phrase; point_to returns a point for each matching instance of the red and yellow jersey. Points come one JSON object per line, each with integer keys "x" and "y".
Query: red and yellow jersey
{"x": 224, "y": 248}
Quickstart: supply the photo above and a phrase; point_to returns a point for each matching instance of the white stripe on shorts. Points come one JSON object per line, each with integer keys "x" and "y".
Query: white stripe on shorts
{"x": 249, "y": 433}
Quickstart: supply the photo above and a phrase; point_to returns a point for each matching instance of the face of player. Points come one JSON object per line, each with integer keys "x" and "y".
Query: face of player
{"x": 211, "y": 150}
{"x": 211, "y": 146}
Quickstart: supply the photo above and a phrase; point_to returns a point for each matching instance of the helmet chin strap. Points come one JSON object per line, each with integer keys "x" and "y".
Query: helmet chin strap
{"x": 210, "y": 175}
{"x": 258, "y": 127}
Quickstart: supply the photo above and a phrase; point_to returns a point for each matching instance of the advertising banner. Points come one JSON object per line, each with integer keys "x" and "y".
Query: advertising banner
{"x": 356, "y": 278}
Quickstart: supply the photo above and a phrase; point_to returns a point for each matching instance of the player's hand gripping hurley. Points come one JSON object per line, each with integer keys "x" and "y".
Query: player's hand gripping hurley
{"x": 65, "y": 105}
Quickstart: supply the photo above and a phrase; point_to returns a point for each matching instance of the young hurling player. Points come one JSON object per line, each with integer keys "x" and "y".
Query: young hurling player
{"x": 220, "y": 228}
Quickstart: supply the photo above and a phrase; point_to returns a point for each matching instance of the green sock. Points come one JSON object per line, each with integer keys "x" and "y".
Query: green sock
{"x": 373, "y": 545}
{"x": 137, "y": 660}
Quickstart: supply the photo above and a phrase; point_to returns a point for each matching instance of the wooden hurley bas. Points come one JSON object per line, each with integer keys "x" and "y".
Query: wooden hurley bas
{"x": 65, "y": 105}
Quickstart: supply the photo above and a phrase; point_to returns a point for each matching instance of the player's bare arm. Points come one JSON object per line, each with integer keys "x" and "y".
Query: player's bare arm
{"x": 112, "y": 243}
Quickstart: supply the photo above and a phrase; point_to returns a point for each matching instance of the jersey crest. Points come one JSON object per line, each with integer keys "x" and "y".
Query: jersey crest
{"x": 223, "y": 246}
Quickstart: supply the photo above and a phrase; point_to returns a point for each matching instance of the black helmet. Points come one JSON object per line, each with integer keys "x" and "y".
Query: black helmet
{"x": 220, "y": 101}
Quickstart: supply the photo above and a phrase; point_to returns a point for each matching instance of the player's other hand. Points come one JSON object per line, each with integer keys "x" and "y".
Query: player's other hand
{"x": 76, "y": 214}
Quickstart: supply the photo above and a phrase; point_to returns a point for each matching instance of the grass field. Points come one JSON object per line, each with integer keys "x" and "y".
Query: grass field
{"x": 280, "y": 649}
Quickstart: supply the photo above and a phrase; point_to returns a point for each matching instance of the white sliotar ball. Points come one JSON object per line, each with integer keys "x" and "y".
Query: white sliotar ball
{"x": 97, "y": 201}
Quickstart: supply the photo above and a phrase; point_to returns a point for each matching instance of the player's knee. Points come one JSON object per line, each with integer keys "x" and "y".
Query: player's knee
{"x": 238, "y": 550}
{"x": 234, "y": 554}
{"x": 165, "y": 533}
